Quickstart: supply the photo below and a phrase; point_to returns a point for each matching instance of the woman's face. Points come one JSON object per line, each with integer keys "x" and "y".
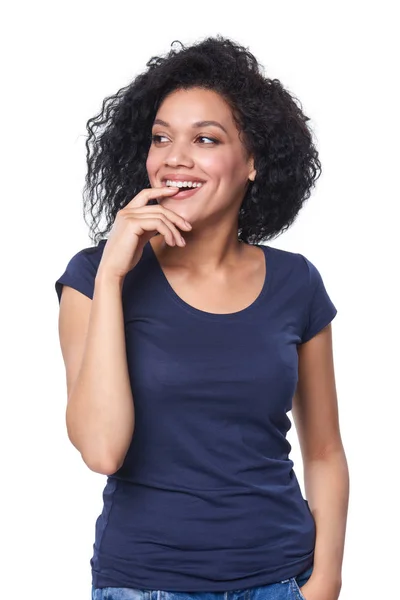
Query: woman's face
{"x": 187, "y": 145}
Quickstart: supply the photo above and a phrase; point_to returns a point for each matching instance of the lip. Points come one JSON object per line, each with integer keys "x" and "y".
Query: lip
{"x": 184, "y": 193}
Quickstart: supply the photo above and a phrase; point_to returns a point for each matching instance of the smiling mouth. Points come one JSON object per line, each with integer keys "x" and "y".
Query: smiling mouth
{"x": 184, "y": 191}
{"x": 184, "y": 185}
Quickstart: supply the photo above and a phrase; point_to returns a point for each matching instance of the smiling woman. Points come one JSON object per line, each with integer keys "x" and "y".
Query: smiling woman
{"x": 268, "y": 122}
{"x": 184, "y": 353}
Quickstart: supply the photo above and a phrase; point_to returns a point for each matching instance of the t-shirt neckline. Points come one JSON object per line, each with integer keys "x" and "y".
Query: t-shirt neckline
{"x": 245, "y": 312}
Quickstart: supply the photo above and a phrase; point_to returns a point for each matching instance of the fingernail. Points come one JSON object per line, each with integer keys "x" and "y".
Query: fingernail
{"x": 183, "y": 240}
{"x": 188, "y": 224}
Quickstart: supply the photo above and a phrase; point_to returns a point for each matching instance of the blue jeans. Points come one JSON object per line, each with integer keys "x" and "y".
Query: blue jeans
{"x": 288, "y": 589}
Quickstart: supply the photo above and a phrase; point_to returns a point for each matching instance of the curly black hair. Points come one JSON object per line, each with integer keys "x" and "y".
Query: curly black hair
{"x": 271, "y": 123}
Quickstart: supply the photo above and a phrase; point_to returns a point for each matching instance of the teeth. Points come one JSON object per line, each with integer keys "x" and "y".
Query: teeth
{"x": 189, "y": 184}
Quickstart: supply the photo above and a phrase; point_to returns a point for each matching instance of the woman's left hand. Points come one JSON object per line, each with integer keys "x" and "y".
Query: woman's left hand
{"x": 319, "y": 589}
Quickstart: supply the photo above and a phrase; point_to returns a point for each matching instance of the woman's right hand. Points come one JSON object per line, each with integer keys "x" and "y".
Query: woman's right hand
{"x": 133, "y": 227}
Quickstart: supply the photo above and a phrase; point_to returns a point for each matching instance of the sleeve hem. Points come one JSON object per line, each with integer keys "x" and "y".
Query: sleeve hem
{"x": 77, "y": 285}
{"x": 319, "y": 326}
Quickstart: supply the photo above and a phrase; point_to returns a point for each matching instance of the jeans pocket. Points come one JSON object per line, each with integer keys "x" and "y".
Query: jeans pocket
{"x": 295, "y": 588}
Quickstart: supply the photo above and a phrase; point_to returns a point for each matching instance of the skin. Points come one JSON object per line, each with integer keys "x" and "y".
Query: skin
{"x": 208, "y": 273}
{"x": 326, "y": 475}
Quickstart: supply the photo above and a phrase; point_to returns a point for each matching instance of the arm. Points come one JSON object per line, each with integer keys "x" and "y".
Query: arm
{"x": 326, "y": 477}
{"x": 100, "y": 408}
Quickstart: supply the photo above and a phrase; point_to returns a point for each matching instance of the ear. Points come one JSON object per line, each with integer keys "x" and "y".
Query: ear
{"x": 252, "y": 171}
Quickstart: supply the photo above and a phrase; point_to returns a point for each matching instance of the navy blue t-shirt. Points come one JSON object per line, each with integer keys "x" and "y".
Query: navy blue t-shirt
{"x": 207, "y": 498}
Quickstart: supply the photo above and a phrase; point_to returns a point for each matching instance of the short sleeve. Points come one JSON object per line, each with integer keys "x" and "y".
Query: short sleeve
{"x": 80, "y": 272}
{"x": 320, "y": 308}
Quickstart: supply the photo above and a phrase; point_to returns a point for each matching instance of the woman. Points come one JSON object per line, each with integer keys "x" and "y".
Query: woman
{"x": 186, "y": 341}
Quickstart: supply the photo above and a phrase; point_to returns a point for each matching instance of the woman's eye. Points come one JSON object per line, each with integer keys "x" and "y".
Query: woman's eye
{"x": 212, "y": 140}
{"x": 158, "y": 139}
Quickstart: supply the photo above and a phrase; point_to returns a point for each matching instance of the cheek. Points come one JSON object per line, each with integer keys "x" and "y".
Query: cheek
{"x": 219, "y": 166}
{"x": 228, "y": 168}
{"x": 151, "y": 164}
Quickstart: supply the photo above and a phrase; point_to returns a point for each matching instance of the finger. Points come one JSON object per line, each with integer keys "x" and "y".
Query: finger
{"x": 176, "y": 235}
{"x": 170, "y": 214}
{"x": 142, "y": 198}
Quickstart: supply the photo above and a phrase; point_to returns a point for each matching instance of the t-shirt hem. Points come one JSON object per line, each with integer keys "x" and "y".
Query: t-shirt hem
{"x": 259, "y": 580}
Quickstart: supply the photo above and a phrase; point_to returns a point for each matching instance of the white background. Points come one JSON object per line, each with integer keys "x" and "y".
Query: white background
{"x": 59, "y": 60}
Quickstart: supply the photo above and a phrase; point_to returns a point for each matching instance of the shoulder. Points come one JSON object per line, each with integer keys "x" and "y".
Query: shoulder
{"x": 81, "y": 269}
{"x": 289, "y": 265}
{"x": 300, "y": 267}
{"x": 90, "y": 256}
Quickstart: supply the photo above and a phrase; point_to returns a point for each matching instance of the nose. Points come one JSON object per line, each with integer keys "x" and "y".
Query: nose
{"x": 178, "y": 154}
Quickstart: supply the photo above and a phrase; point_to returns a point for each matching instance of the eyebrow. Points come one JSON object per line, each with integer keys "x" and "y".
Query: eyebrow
{"x": 195, "y": 125}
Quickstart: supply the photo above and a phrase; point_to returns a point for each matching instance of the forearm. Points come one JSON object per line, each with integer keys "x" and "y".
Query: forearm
{"x": 100, "y": 410}
{"x": 327, "y": 490}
